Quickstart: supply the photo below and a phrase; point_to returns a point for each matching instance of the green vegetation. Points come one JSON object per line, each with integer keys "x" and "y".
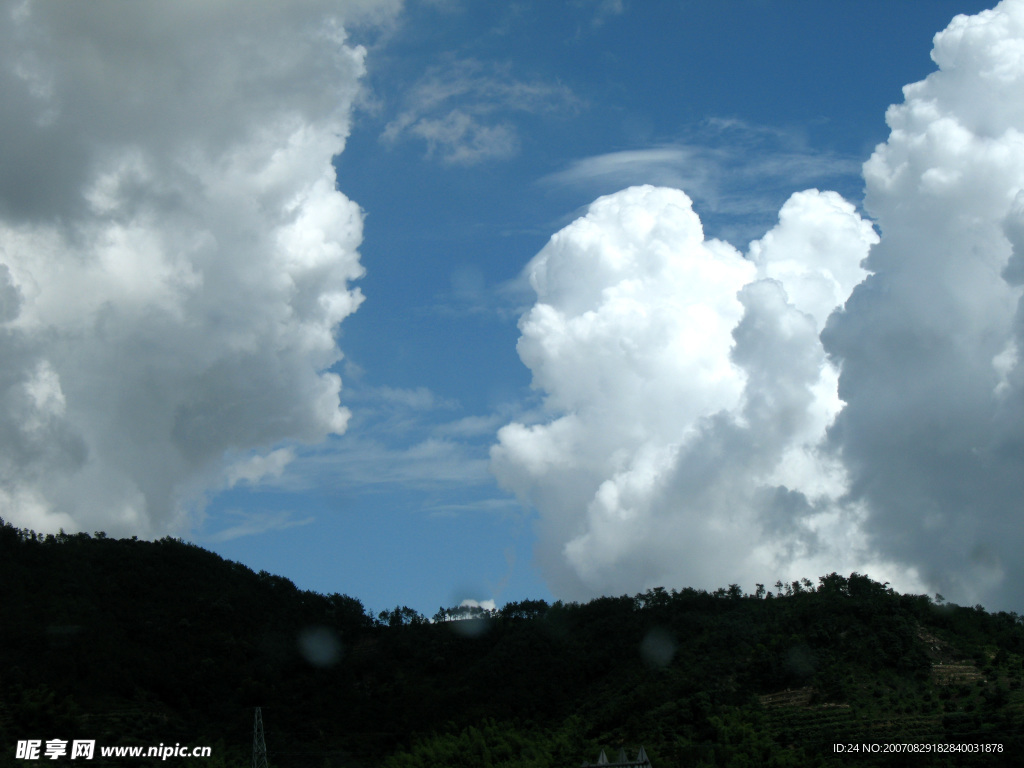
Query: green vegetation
{"x": 136, "y": 642}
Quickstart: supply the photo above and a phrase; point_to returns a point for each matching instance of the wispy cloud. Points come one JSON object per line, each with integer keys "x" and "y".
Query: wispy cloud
{"x": 607, "y": 9}
{"x": 410, "y": 398}
{"x": 463, "y": 110}
{"x": 726, "y": 166}
{"x": 424, "y": 465}
{"x": 494, "y": 506}
{"x": 256, "y": 523}
{"x": 472, "y": 426}
{"x": 402, "y": 438}
{"x": 669, "y": 165}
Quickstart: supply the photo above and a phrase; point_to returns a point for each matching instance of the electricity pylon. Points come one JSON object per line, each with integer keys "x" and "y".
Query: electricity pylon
{"x": 259, "y": 746}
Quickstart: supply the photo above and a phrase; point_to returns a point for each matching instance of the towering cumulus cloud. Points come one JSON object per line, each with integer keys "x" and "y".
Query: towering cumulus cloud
{"x": 174, "y": 255}
{"x": 687, "y": 391}
{"x": 711, "y": 418}
{"x": 933, "y": 430}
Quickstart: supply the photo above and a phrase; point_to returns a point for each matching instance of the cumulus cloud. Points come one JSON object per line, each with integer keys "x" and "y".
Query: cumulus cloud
{"x": 174, "y": 254}
{"x": 932, "y": 431}
{"x": 685, "y": 392}
{"x": 710, "y": 417}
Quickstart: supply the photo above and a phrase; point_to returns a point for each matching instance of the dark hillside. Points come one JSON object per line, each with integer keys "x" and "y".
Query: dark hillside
{"x": 133, "y": 642}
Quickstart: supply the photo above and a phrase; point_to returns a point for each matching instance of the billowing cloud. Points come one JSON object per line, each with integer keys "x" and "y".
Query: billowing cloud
{"x": 685, "y": 395}
{"x": 711, "y": 418}
{"x": 174, "y": 254}
{"x": 933, "y": 430}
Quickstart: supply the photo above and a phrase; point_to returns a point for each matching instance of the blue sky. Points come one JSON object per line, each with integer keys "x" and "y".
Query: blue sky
{"x": 475, "y": 131}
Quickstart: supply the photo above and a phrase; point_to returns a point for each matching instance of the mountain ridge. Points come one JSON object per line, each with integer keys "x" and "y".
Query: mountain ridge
{"x": 137, "y": 642}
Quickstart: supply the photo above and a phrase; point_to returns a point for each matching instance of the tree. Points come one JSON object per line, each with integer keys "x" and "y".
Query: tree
{"x": 349, "y": 612}
{"x": 441, "y": 616}
{"x": 401, "y": 616}
{"x": 526, "y": 609}
{"x": 833, "y": 584}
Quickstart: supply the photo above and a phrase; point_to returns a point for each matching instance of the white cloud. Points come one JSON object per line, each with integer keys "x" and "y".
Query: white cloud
{"x": 932, "y": 431}
{"x": 678, "y": 166}
{"x": 685, "y": 396}
{"x": 417, "y": 399}
{"x": 498, "y": 507}
{"x": 462, "y": 111}
{"x": 255, "y": 524}
{"x": 470, "y": 426}
{"x": 815, "y": 252}
{"x": 712, "y": 419}
{"x": 254, "y": 469}
{"x": 174, "y": 256}
{"x": 487, "y": 605}
{"x": 725, "y": 166}
{"x": 367, "y": 462}
{"x": 410, "y": 446}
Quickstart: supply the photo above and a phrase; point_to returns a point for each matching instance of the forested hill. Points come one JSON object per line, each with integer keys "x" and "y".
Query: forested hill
{"x": 139, "y": 643}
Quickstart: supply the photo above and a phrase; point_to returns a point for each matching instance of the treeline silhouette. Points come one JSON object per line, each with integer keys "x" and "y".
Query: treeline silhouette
{"x": 132, "y": 642}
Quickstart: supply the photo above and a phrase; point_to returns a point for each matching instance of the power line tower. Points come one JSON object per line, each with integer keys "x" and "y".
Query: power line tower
{"x": 259, "y": 746}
